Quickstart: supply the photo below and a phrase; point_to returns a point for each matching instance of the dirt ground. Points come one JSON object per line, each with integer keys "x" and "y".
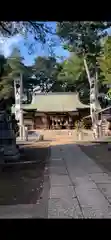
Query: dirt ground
{"x": 100, "y": 153}
{"x": 22, "y": 184}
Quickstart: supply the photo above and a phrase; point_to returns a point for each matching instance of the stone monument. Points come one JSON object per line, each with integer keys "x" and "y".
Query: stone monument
{"x": 8, "y": 149}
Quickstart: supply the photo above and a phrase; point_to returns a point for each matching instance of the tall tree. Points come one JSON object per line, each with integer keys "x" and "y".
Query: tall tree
{"x": 84, "y": 39}
{"x": 45, "y": 71}
{"x": 16, "y": 63}
{"x": 105, "y": 67}
{"x": 10, "y": 68}
{"x": 57, "y": 83}
{"x": 74, "y": 77}
{"x": 18, "y": 68}
{"x": 105, "y": 61}
{"x": 28, "y": 83}
{"x": 6, "y": 85}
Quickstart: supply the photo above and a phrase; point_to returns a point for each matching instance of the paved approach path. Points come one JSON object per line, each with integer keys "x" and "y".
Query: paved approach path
{"x": 78, "y": 187}
{"x": 74, "y": 187}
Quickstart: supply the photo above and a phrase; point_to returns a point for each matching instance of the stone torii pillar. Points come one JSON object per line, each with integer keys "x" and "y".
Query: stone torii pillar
{"x": 18, "y": 87}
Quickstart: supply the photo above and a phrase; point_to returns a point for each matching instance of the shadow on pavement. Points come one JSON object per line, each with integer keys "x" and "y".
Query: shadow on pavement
{"x": 100, "y": 153}
{"x": 24, "y": 183}
{"x": 29, "y": 183}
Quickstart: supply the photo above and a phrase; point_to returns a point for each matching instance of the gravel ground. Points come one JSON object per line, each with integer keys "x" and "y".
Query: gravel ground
{"x": 22, "y": 184}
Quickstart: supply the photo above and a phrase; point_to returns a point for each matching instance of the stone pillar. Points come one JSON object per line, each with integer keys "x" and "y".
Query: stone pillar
{"x": 18, "y": 88}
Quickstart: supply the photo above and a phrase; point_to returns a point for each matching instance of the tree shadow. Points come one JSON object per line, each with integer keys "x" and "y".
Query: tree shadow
{"x": 29, "y": 183}
{"x": 99, "y": 152}
{"x": 24, "y": 183}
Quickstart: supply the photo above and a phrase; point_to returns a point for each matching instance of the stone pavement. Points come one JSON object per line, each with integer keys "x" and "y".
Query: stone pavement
{"x": 78, "y": 187}
{"x": 74, "y": 187}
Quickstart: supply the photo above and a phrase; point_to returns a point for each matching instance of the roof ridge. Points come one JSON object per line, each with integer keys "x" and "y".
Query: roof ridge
{"x": 58, "y": 93}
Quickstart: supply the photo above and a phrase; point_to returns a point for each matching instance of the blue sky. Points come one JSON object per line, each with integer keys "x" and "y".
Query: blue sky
{"x": 7, "y": 45}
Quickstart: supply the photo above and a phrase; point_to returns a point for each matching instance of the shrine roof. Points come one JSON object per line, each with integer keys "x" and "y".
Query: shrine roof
{"x": 55, "y": 102}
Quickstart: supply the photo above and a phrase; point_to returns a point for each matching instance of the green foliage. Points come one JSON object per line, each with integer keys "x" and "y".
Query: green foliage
{"x": 16, "y": 64}
{"x": 46, "y": 70}
{"x": 81, "y": 38}
{"x": 6, "y": 88}
{"x": 15, "y": 61}
{"x": 84, "y": 38}
{"x": 74, "y": 78}
{"x": 105, "y": 61}
{"x": 9, "y": 69}
{"x": 72, "y": 69}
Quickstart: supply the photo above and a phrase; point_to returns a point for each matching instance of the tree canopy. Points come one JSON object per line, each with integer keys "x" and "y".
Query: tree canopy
{"x": 83, "y": 39}
{"x": 38, "y": 31}
{"x": 46, "y": 70}
{"x": 105, "y": 61}
{"x": 5, "y": 79}
{"x": 43, "y": 73}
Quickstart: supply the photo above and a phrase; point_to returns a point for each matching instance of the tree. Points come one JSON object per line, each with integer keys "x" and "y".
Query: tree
{"x": 28, "y": 83}
{"x": 105, "y": 61}
{"x": 57, "y": 83}
{"x": 105, "y": 67}
{"x": 45, "y": 71}
{"x": 83, "y": 38}
{"x": 18, "y": 68}
{"x": 74, "y": 77}
{"x": 6, "y": 85}
{"x": 38, "y": 30}
{"x": 10, "y": 68}
{"x": 16, "y": 64}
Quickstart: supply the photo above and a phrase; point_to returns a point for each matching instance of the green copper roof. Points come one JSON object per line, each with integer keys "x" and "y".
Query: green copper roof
{"x": 58, "y": 102}
{"x": 54, "y": 102}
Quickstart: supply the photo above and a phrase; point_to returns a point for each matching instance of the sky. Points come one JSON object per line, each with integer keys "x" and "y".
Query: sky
{"x": 7, "y": 45}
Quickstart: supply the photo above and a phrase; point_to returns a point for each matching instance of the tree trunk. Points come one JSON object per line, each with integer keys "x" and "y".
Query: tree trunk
{"x": 93, "y": 99}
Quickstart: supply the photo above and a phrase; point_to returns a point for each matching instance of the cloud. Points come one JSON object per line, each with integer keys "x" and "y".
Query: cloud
{"x": 7, "y": 44}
